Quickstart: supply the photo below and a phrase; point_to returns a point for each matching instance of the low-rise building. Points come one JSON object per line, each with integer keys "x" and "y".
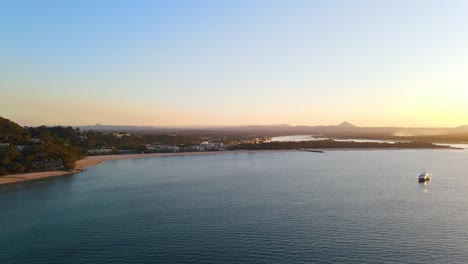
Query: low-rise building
{"x": 4, "y": 146}
{"x": 206, "y": 146}
{"x": 100, "y": 151}
{"x": 161, "y": 148}
{"x": 21, "y": 147}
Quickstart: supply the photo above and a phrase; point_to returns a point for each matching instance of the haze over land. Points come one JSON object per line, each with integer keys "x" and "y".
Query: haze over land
{"x": 342, "y": 130}
{"x": 223, "y": 63}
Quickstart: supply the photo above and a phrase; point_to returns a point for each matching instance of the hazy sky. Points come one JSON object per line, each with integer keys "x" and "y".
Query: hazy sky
{"x": 372, "y": 63}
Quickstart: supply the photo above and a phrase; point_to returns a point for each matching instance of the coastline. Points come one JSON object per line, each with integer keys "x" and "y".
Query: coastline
{"x": 90, "y": 161}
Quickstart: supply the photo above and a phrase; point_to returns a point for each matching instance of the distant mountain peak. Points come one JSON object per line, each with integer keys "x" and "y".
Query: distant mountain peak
{"x": 463, "y": 127}
{"x": 346, "y": 124}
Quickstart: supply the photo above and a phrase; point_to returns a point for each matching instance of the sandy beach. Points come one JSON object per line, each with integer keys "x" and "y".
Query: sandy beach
{"x": 95, "y": 160}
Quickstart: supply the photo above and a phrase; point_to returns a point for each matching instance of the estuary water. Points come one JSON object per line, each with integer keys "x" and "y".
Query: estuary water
{"x": 282, "y": 207}
{"x": 299, "y": 138}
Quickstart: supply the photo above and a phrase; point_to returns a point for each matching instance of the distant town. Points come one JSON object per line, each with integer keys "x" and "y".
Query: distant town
{"x": 35, "y": 149}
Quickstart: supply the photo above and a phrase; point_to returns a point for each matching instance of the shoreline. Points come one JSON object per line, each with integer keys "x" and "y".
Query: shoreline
{"x": 90, "y": 161}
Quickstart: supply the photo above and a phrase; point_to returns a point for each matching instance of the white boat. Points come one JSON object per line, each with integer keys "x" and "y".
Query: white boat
{"x": 424, "y": 176}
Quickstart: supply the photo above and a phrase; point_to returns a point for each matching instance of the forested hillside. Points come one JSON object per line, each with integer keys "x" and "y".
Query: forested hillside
{"x": 31, "y": 149}
{"x": 34, "y": 149}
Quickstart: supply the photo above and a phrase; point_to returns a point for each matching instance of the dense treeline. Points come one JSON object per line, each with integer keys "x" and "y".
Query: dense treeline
{"x": 87, "y": 140}
{"x": 42, "y": 156}
{"x": 13, "y": 133}
{"x": 34, "y": 149}
{"x": 330, "y": 143}
{"x": 58, "y": 148}
{"x": 95, "y": 139}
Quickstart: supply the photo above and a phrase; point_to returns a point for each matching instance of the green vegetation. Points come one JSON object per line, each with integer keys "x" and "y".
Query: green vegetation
{"x": 35, "y": 149}
{"x": 13, "y": 133}
{"x": 330, "y": 143}
{"x": 58, "y": 148}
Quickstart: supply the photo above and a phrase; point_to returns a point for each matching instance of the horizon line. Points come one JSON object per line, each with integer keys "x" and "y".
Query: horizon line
{"x": 236, "y": 126}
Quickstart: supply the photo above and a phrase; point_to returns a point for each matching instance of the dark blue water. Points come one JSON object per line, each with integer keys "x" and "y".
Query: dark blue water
{"x": 296, "y": 207}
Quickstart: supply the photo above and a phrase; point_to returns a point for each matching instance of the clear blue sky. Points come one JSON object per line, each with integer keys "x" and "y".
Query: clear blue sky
{"x": 373, "y": 63}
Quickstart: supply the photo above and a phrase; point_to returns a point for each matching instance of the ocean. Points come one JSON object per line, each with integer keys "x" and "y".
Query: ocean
{"x": 283, "y": 207}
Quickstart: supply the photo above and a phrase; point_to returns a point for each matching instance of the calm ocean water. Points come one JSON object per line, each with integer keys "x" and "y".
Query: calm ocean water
{"x": 285, "y": 207}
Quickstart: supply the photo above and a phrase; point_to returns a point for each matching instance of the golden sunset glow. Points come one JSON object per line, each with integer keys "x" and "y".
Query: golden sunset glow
{"x": 373, "y": 64}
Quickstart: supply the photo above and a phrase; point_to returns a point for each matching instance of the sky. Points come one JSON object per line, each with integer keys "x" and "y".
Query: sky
{"x": 183, "y": 63}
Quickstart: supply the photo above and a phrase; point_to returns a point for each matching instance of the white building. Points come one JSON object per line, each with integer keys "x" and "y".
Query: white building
{"x": 162, "y": 148}
{"x": 100, "y": 151}
{"x": 211, "y": 146}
